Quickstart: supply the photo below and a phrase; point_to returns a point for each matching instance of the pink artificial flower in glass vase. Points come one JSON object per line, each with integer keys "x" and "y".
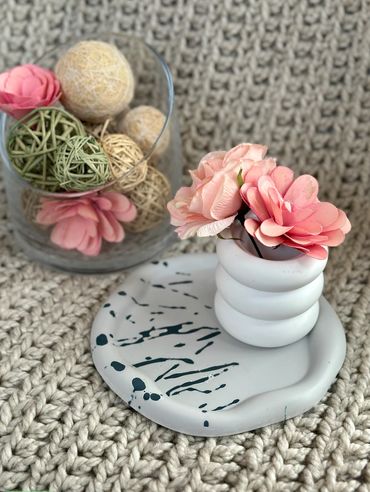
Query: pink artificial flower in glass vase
{"x": 82, "y": 223}
{"x": 27, "y": 87}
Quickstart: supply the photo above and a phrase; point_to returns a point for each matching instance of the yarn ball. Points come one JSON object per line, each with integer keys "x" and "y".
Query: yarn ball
{"x": 126, "y": 159}
{"x": 150, "y": 199}
{"x": 97, "y": 80}
{"x": 144, "y": 125}
{"x": 81, "y": 164}
{"x": 34, "y": 140}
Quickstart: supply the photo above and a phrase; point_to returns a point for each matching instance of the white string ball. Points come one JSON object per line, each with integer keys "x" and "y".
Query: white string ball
{"x": 144, "y": 124}
{"x": 96, "y": 79}
{"x": 126, "y": 161}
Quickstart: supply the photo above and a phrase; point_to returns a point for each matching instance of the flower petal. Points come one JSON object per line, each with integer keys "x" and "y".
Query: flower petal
{"x": 267, "y": 240}
{"x": 283, "y": 177}
{"x": 256, "y": 203}
{"x": 303, "y": 191}
{"x": 90, "y": 246}
{"x": 68, "y": 233}
{"x": 214, "y": 228}
{"x": 270, "y": 228}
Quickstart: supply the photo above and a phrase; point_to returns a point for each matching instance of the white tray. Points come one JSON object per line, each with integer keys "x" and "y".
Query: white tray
{"x": 157, "y": 344}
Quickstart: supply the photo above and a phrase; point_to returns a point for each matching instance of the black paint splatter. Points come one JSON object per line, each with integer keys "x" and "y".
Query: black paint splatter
{"x": 180, "y": 345}
{"x": 206, "y": 392}
{"x": 162, "y": 359}
{"x": 202, "y": 405}
{"x": 122, "y": 293}
{"x": 175, "y": 366}
{"x": 146, "y": 396}
{"x": 220, "y": 387}
{"x": 101, "y": 340}
{"x": 106, "y": 305}
{"x": 183, "y": 273}
{"x": 210, "y": 335}
{"x": 190, "y": 295}
{"x": 139, "y": 303}
{"x": 138, "y": 384}
{"x": 206, "y": 369}
{"x": 158, "y": 286}
{"x": 180, "y": 282}
{"x": 186, "y": 384}
{"x": 155, "y": 396}
{"x": 112, "y": 313}
{"x": 225, "y": 406}
{"x": 154, "y": 333}
{"x": 206, "y": 423}
{"x": 117, "y": 365}
{"x": 171, "y": 307}
{"x": 203, "y": 348}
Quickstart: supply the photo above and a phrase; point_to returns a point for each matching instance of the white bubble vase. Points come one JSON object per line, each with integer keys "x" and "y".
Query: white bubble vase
{"x": 270, "y": 301}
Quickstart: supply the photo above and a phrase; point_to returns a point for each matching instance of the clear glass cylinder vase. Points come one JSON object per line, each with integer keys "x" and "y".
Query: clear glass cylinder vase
{"x": 153, "y": 87}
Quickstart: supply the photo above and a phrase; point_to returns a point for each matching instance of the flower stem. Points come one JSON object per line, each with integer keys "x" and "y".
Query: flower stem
{"x": 255, "y": 246}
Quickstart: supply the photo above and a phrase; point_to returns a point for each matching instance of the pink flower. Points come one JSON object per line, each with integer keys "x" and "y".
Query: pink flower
{"x": 211, "y": 203}
{"x": 288, "y": 212}
{"x": 27, "y": 87}
{"x": 82, "y": 223}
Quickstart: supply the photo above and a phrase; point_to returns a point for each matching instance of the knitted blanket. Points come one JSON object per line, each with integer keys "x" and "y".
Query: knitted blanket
{"x": 294, "y": 75}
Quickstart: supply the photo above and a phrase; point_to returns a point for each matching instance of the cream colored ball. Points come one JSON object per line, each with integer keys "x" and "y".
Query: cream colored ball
{"x": 97, "y": 80}
{"x": 144, "y": 124}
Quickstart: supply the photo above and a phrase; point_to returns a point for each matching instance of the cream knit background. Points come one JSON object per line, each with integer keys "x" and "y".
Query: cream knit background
{"x": 294, "y": 74}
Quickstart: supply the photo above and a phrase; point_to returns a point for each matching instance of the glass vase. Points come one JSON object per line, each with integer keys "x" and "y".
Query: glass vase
{"x": 153, "y": 87}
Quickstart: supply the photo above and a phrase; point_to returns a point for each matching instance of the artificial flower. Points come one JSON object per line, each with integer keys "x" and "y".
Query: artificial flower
{"x": 211, "y": 203}
{"x": 287, "y": 211}
{"x": 82, "y": 223}
{"x": 27, "y": 87}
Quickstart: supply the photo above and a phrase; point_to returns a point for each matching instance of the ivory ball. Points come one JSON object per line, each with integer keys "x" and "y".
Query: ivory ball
{"x": 144, "y": 124}
{"x": 97, "y": 80}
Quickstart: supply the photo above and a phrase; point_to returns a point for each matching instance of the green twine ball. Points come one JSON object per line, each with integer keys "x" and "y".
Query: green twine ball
{"x": 34, "y": 140}
{"x": 81, "y": 164}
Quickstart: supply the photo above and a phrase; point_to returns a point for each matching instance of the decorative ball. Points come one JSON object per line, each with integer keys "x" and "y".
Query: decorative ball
{"x": 144, "y": 125}
{"x": 126, "y": 159}
{"x": 34, "y": 140}
{"x": 97, "y": 80}
{"x": 81, "y": 164}
{"x": 150, "y": 199}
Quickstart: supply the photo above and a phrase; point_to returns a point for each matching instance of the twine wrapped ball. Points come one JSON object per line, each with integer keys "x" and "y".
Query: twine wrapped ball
{"x": 126, "y": 161}
{"x": 144, "y": 124}
{"x": 34, "y": 140}
{"x": 97, "y": 80}
{"x": 150, "y": 199}
{"x": 81, "y": 164}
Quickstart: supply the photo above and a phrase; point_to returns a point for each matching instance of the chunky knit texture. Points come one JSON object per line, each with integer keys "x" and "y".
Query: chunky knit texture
{"x": 294, "y": 75}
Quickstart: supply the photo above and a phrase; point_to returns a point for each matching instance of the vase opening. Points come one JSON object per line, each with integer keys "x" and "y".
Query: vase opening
{"x": 280, "y": 253}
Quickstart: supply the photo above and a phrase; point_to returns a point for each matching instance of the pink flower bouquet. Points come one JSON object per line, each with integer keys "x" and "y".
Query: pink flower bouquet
{"x": 273, "y": 207}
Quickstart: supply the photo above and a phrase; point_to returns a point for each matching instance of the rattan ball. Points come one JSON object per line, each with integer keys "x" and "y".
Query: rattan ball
{"x": 150, "y": 199}
{"x": 144, "y": 125}
{"x": 81, "y": 164}
{"x": 126, "y": 159}
{"x": 34, "y": 140}
{"x": 97, "y": 80}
